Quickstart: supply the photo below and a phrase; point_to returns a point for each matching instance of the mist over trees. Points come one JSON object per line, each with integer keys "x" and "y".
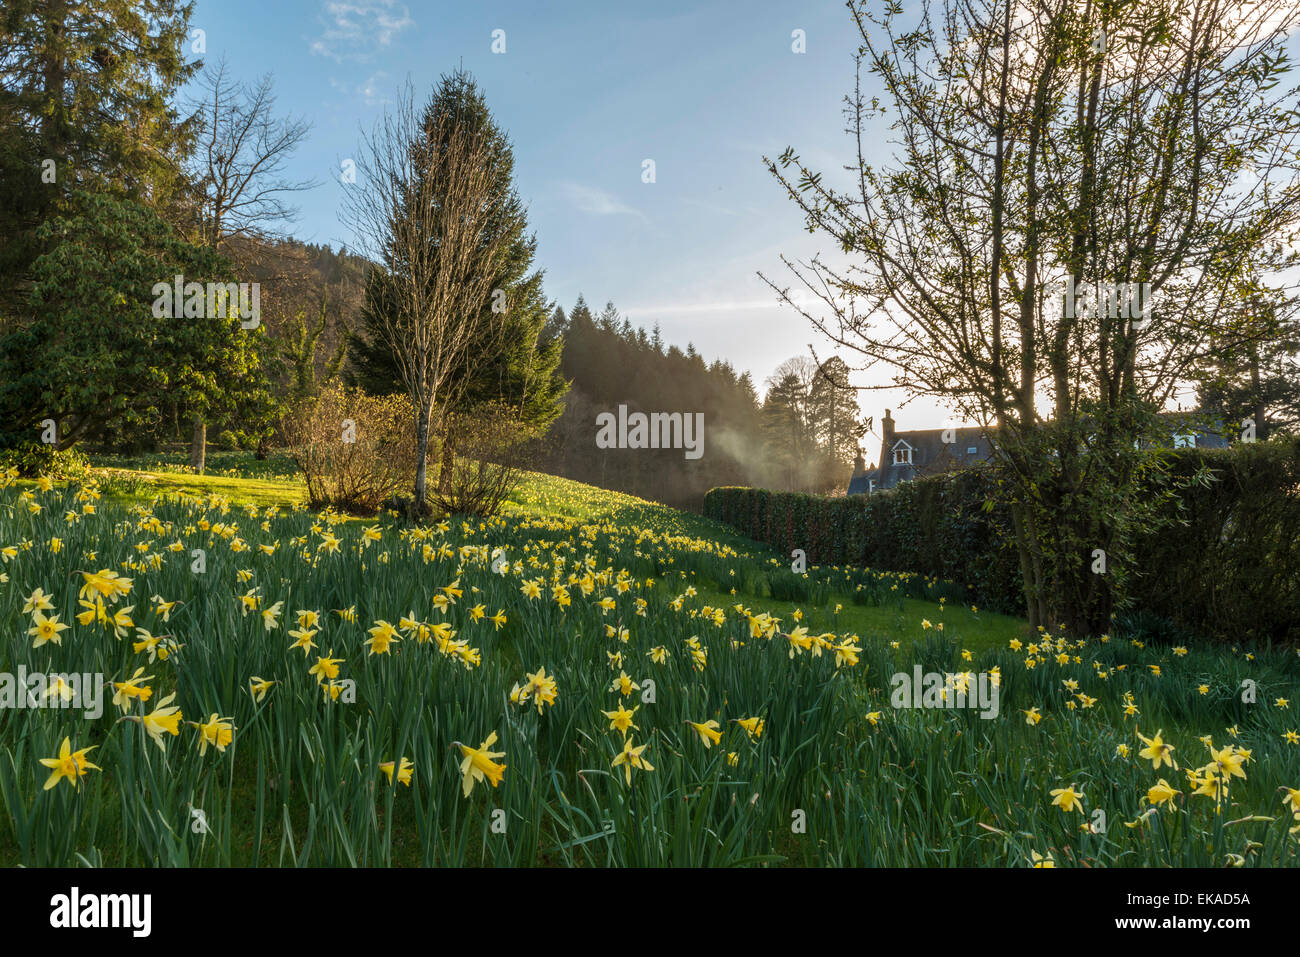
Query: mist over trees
{"x": 610, "y": 363}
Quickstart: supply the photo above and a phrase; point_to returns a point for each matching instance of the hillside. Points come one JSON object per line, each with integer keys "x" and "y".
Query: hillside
{"x": 245, "y": 481}
{"x": 587, "y": 679}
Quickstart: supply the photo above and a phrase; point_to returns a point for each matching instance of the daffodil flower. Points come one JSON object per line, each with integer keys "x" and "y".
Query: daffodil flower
{"x": 69, "y": 765}
{"x": 478, "y": 764}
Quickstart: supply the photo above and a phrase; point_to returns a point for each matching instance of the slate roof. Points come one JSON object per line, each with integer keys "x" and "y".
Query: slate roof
{"x": 909, "y": 455}
{"x": 1208, "y": 435}
{"x": 924, "y": 451}
{"x": 860, "y": 484}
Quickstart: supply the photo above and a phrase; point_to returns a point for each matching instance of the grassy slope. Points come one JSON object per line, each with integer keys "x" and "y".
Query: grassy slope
{"x": 562, "y": 498}
{"x": 549, "y": 496}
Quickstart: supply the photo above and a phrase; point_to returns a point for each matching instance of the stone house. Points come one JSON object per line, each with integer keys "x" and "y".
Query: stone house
{"x": 913, "y": 454}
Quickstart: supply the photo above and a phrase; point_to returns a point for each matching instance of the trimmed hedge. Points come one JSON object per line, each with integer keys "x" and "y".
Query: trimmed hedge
{"x": 935, "y": 526}
{"x": 1233, "y": 570}
{"x": 1229, "y": 567}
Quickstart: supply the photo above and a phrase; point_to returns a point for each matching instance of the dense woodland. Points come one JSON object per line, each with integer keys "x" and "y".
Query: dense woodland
{"x": 772, "y": 442}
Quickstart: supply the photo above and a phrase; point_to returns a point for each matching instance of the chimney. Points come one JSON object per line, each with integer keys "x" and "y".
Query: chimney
{"x": 859, "y": 464}
{"x": 886, "y": 439}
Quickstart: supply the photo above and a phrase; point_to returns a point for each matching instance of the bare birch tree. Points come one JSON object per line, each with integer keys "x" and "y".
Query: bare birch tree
{"x": 423, "y": 211}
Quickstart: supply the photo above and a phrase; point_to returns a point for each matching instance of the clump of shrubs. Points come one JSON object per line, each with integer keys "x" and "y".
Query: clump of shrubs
{"x": 355, "y": 450}
{"x": 33, "y": 459}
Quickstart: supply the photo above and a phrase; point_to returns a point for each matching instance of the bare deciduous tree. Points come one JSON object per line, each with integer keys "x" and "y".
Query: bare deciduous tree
{"x": 1040, "y": 144}
{"x": 240, "y": 161}
{"x": 238, "y": 170}
{"x": 423, "y": 209}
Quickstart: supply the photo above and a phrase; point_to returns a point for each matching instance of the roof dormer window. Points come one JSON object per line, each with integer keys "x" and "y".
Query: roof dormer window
{"x": 902, "y": 453}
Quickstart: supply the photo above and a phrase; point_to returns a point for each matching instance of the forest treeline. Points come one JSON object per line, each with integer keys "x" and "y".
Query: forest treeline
{"x": 796, "y": 436}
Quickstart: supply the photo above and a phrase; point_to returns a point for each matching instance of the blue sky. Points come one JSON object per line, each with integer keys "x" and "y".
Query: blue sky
{"x": 587, "y": 91}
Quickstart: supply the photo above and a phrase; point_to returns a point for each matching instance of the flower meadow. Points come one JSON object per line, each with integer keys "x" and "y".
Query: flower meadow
{"x": 287, "y": 688}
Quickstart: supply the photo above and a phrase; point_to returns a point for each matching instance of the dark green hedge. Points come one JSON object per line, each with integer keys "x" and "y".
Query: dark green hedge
{"x": 936, "y": 527}
{"x": 1233, "y": 570}
{"x": 1228, "y": 567}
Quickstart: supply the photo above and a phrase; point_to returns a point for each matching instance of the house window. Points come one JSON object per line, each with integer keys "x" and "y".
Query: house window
{"x": 1187, "y": 441}
{"x": 972, "y": 450}
{"x": 902, "y": 454}
{"x": 871, "y": 486}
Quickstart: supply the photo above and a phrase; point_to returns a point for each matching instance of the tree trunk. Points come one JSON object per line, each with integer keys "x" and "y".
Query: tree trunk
{"x": 1026, "y": 567}
{"x": 1261, "y": 432}
{"x": 199, "y": 446}
{"x": 421, "y": 460}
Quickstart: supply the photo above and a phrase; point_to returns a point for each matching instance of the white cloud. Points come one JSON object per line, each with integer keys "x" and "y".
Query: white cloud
{"x": 590, "y": 199}
{"x": 373, "y": 92}
{"x": 692, "y": 308}
{"x": 357, "y": 29}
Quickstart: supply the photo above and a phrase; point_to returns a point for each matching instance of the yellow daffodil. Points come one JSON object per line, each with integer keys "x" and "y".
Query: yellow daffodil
{"x": 164, "y": 719}
{"x": 631, "y": 757}
{"x": 1067, "y": 799}
{"x": 37, "y": 601}
{"x": 382, "y": 635}
{"x": 1161, "y": 793}
{"x": 403, "y": 774}
{"x": 132, "y": 689}
{"x": 708, "y": 732}
{"x": 1157, "y": 751}
{"x": 478, "y": 764}
{"x": 326, "y": 666}
{"x": 624, "y": 685}
{"x": 620, "y": 719}
{"x": 46, "y": 629}
{"x": 69, "y": 765}
{"x": 217, "y": 732}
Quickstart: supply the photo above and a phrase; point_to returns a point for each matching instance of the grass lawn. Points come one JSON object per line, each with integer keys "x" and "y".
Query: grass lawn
{"x": 310, "y": 655}
{"x": 550, "y": 496}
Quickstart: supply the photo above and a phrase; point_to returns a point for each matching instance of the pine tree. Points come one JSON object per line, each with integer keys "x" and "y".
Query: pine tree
{"x": 833, "y": 410}
{"x": 517, "y": 362}
{"x": 86, "y": 94}
{"x": 558, "y": 324}
{"x": 608, "y": 319}
{"x": 785, "y": 433}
